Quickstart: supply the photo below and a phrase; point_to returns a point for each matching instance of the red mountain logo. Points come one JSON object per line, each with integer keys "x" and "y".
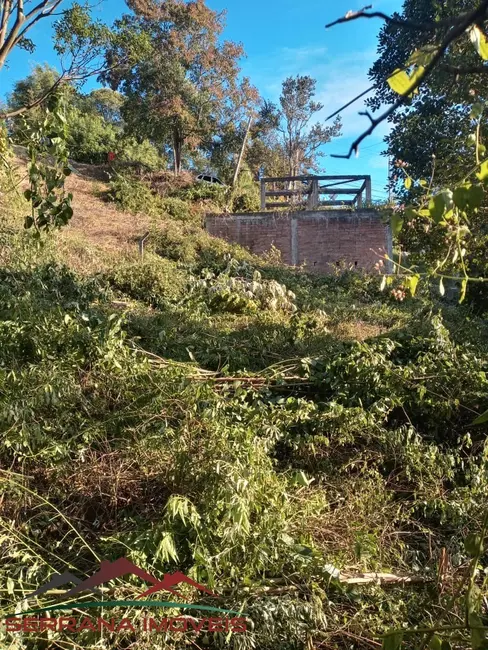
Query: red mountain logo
{"x": 171, "y": 580}
{"x": 121, "y": 567}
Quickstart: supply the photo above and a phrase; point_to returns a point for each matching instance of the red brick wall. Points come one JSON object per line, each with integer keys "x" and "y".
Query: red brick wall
{"x": 318, "y": 239}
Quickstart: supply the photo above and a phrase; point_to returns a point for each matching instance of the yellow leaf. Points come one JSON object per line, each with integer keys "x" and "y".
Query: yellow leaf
{"x": 464, "y": 285}
{"x": 483, "y": 172}
{"x": 399, "y": 82}
{"x": 417, "y": 75}
{"x": 442, "y": 289}
{"x": 412, "y": 283}
{"x": 479, "y": 41}
{"x": 408, "y": 183}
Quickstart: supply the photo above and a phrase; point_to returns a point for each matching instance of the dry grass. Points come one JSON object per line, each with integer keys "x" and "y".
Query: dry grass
{"x": 98, "y": 233}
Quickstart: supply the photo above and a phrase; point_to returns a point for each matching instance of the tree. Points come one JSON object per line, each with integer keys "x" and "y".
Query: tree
{"x": 441, "y": 37}
{"x": 185, "y": 85}
{"x": 302, "y": 142}
{"x": 265, "y": 153}
{"x": 78, "y": 41}
{"x": 435, "y": 121}
{"x": 432, "y": 56}
{"x": 107, "y": 103}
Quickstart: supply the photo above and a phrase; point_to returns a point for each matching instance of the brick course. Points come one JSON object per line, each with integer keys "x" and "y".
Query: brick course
{"x": 320, "y": 239}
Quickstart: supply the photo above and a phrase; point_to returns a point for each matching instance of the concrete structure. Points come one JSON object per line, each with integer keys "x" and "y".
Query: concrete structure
{"x": 320, "y": 239}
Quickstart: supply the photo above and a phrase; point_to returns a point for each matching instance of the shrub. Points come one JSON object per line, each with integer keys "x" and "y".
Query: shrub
{"x": 176, "y": 208}
{"x": 241, "y": 289}
{"x": 191, "y": 245}
{"x": 90, "y": 137}
{"x": 144, "y": 153}
{"x": 132, "y": 195}
{"x": 205, "y": 192}
{"x": 246, "y": 195}
{"x": 155, "y": 282}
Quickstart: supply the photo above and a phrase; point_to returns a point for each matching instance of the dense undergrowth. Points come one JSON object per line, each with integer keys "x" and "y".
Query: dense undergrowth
{"x": 258, "y": 428}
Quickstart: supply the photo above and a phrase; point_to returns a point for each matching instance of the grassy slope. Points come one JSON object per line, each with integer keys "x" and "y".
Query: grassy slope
{"x": 248, "y": 445}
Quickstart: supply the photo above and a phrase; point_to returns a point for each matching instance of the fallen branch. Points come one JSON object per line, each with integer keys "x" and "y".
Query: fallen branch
{"x": 382, "y": 579}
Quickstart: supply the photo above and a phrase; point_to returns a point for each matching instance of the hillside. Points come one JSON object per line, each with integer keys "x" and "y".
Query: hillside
{"x": 300, "y": 444}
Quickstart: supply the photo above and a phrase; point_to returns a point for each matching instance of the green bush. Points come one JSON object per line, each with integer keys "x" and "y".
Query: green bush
{"x": 246, "y": 202}
{"x": 218, "y": 194}
{"x": 144, "y": 153}
{"x": 192, "y": 246}
{"x": 155, "y": 282}
{"x": 246, "y": 194}
{"x": 90, "y": 137}
{"x": 176, "y": 208}
{"x": 132, "y": 195}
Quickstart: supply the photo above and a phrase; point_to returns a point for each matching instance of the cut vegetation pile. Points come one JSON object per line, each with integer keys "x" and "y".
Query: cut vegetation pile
{"x": 278, "y": 436}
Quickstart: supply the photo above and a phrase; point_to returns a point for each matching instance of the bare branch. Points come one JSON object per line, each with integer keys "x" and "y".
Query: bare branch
{"x": 454, "y": 33}
{"x": 472, "y": 69}
{"x": 368, "y": 115}
{"x": 41, "y": 7}
{"x": 365, "y": 92}
{"x": 64, "y": 78}
{"x": 47, "y": 11}
{"x": 7, "y": 7}
{"x": 399, "y": 22}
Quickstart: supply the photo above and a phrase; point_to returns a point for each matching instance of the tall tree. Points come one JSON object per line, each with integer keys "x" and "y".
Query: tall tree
{"x": 185, "y": 84}
{"x": 78, "y": 40}
{"x": 302, "y": 142}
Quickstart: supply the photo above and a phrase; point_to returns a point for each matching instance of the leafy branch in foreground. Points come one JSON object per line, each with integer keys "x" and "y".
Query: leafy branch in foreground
{"x": 48, "y": 168}
{"x": 449, "y": 210}
{"x": 425, "y": 60}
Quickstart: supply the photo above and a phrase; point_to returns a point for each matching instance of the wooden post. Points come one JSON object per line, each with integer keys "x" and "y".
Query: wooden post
{"x": 241, "y": 154}
{"x": 313, "y": 196}
{"x": 315, "y": 193}
{"x": 368, "y": 190}
{"x": 263, "y": 194}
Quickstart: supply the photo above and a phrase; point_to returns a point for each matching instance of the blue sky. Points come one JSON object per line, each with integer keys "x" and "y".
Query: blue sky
{"x": 283, "y": 38}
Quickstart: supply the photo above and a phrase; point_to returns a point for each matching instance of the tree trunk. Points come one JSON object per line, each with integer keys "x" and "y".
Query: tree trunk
{"x": 241, "y": 153}
{"x": 177, "y": 151}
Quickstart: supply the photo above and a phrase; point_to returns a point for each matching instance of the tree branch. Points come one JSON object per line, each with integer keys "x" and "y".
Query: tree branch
{"x": 454, "y": 33}
{"x": 365, "y": 92}
{"x": 472, "y": 69}
{"x": 43, "y": 14}
{"x": 64, "y": 78}
{"x": 40, "y": 8}
{"x": 399, "y": 22}
{"x": 7, "y": 7}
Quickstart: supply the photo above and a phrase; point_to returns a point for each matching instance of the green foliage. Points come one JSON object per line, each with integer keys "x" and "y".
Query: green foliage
{"x": 246, "y": 196}
{"x": 205, "y": 192}
{"x": 50, "y": 204}
{"x": 143, "y": 153}
{"x": 134, "y": 196}
{"x": 154, "y": 281}
{"x": 176, "y": 208}
{"x": 90, "y": 137}
{"x": 243, "y": 481}
{"x": 241, "y": 289}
